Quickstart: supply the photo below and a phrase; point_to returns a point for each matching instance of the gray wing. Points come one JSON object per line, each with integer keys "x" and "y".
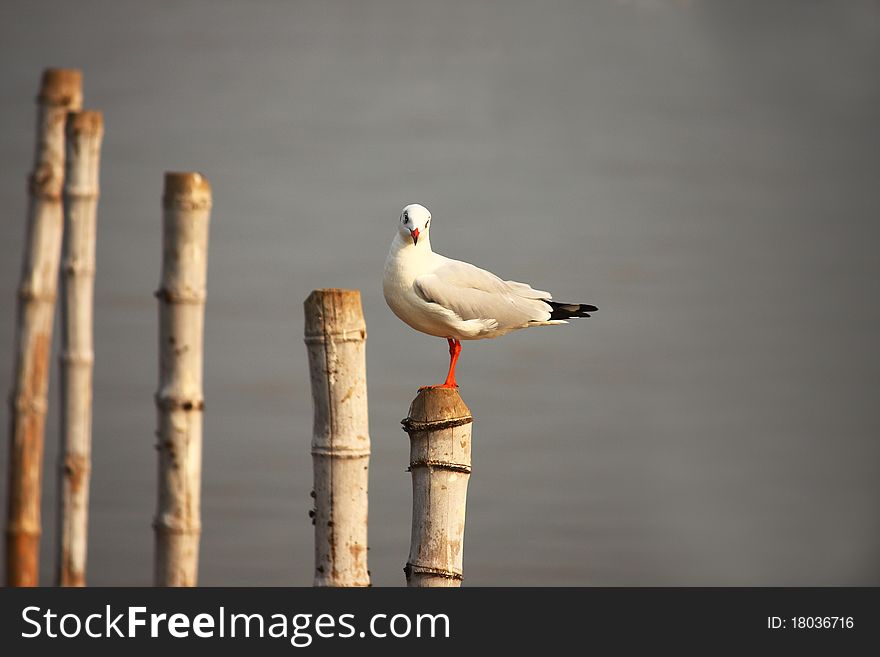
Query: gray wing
{"x": 474, "y": 293}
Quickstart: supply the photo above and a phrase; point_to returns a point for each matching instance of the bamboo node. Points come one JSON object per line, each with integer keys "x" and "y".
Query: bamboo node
{"x": 170, "y": 402}
{"x": 340, "y": 453}
{"x": 24, "y": 404}
{"x": 71, "y": 267}
{"x": 19, "y": 528}
{"x": 352, "y": 335}
{"x": 168, "y": 526}
{"x": 27, "y": 292}
{"x": 84, "y": 193}
{"x": 179, "y": 202}
{"x": 415, "y": 569}
{"x": 436, "y": 464}
{"x": 414, "y": 426}
{"x": 43, "y": 184}
{"x": 78, "y": 468}
{"x": 76, "y": 357}
{"x": 177, "y": 296}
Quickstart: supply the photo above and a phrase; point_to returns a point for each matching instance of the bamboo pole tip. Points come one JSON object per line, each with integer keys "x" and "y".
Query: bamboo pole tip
{"x": 438, "y": 405}
{"x": 335, "y": 309}
{"x": 186, "y": 188}
{"x": 335, "y": 295}
{"x": 86, "y": 122}
{"x": 61, "y": 86}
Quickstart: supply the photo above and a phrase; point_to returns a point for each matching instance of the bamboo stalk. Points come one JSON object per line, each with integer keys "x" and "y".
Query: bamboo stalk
{"x": 439, "y": 427}
{"x": 60, "y": 92}
{"x": 84, "y": 131}
{"x": 179, "y": 400}
{"x": 335, "y": 336}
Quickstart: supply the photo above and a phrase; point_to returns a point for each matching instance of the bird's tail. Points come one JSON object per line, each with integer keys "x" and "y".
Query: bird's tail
{"x": 569, "y": 310}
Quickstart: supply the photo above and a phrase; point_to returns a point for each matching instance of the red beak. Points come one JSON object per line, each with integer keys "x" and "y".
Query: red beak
{"x": 415, "y": 235}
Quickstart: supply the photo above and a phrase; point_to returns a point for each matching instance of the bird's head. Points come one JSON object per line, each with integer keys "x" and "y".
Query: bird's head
{"x": 415, "y": 221}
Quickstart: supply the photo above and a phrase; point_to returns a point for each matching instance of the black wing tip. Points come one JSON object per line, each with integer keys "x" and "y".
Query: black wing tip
{"x": 569, "y": 310}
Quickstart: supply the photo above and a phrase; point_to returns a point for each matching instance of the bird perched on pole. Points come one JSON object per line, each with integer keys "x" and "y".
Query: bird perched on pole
{"x": 456, "y": 300}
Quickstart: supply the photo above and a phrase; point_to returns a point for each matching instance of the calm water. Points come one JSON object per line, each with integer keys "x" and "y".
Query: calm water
{"x": 705, "y": 172}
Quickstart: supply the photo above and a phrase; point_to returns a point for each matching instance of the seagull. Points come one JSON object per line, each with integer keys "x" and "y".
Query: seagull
{"x": 456, "y": 300}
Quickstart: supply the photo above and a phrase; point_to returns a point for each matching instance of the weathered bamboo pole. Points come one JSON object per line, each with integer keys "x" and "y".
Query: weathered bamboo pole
{"x": 335, "y": 336}
{"x": 60, "y": 92}
{"x": 179, "y": 402}
{"x": 84, "y": 131}
{"x": 439, "y": 427}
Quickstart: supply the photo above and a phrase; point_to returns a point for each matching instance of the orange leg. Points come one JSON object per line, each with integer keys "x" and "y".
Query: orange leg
{"x": 454, "y": 352}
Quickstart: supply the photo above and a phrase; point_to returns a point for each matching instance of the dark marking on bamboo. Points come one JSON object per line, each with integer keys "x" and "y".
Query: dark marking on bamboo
{"x": 42, "y": 186}
{"x": 176, "y": 296}
{"x": 78, "y": 467}
{"x": 170, "y": 402}
{"x": 27, "y": 293}
{"x": 412, "y": 426}
{"x": 71, "y": 267}
{"x": 414, "y": 569}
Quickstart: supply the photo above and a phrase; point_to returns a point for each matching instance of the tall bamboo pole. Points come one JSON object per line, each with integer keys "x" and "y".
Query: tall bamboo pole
{"x": 335, "y": 336}
{"x": 84, "y": 131}
{"x": 439, "y": 427}
{"x": 60, "y": 92}
{"x": 179, "y": 400}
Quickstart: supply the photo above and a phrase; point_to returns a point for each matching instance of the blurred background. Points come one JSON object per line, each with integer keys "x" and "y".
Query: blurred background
{"x": 705, "y": 172}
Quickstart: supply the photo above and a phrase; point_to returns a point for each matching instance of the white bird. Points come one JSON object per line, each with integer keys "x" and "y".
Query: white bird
{"x": 455, "y": 300}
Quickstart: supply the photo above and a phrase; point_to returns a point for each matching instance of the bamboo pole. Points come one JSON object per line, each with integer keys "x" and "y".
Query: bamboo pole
{"x": 335, "y": 336}
{"x": 439, "y": 427}
{"x": 84, "y": 131}
{"x": 179, "y": 401}
{"x": 60, "y": 92}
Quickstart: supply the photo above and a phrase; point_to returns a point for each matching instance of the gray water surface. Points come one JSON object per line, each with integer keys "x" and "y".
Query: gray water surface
{"x": 705, "y": 172}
